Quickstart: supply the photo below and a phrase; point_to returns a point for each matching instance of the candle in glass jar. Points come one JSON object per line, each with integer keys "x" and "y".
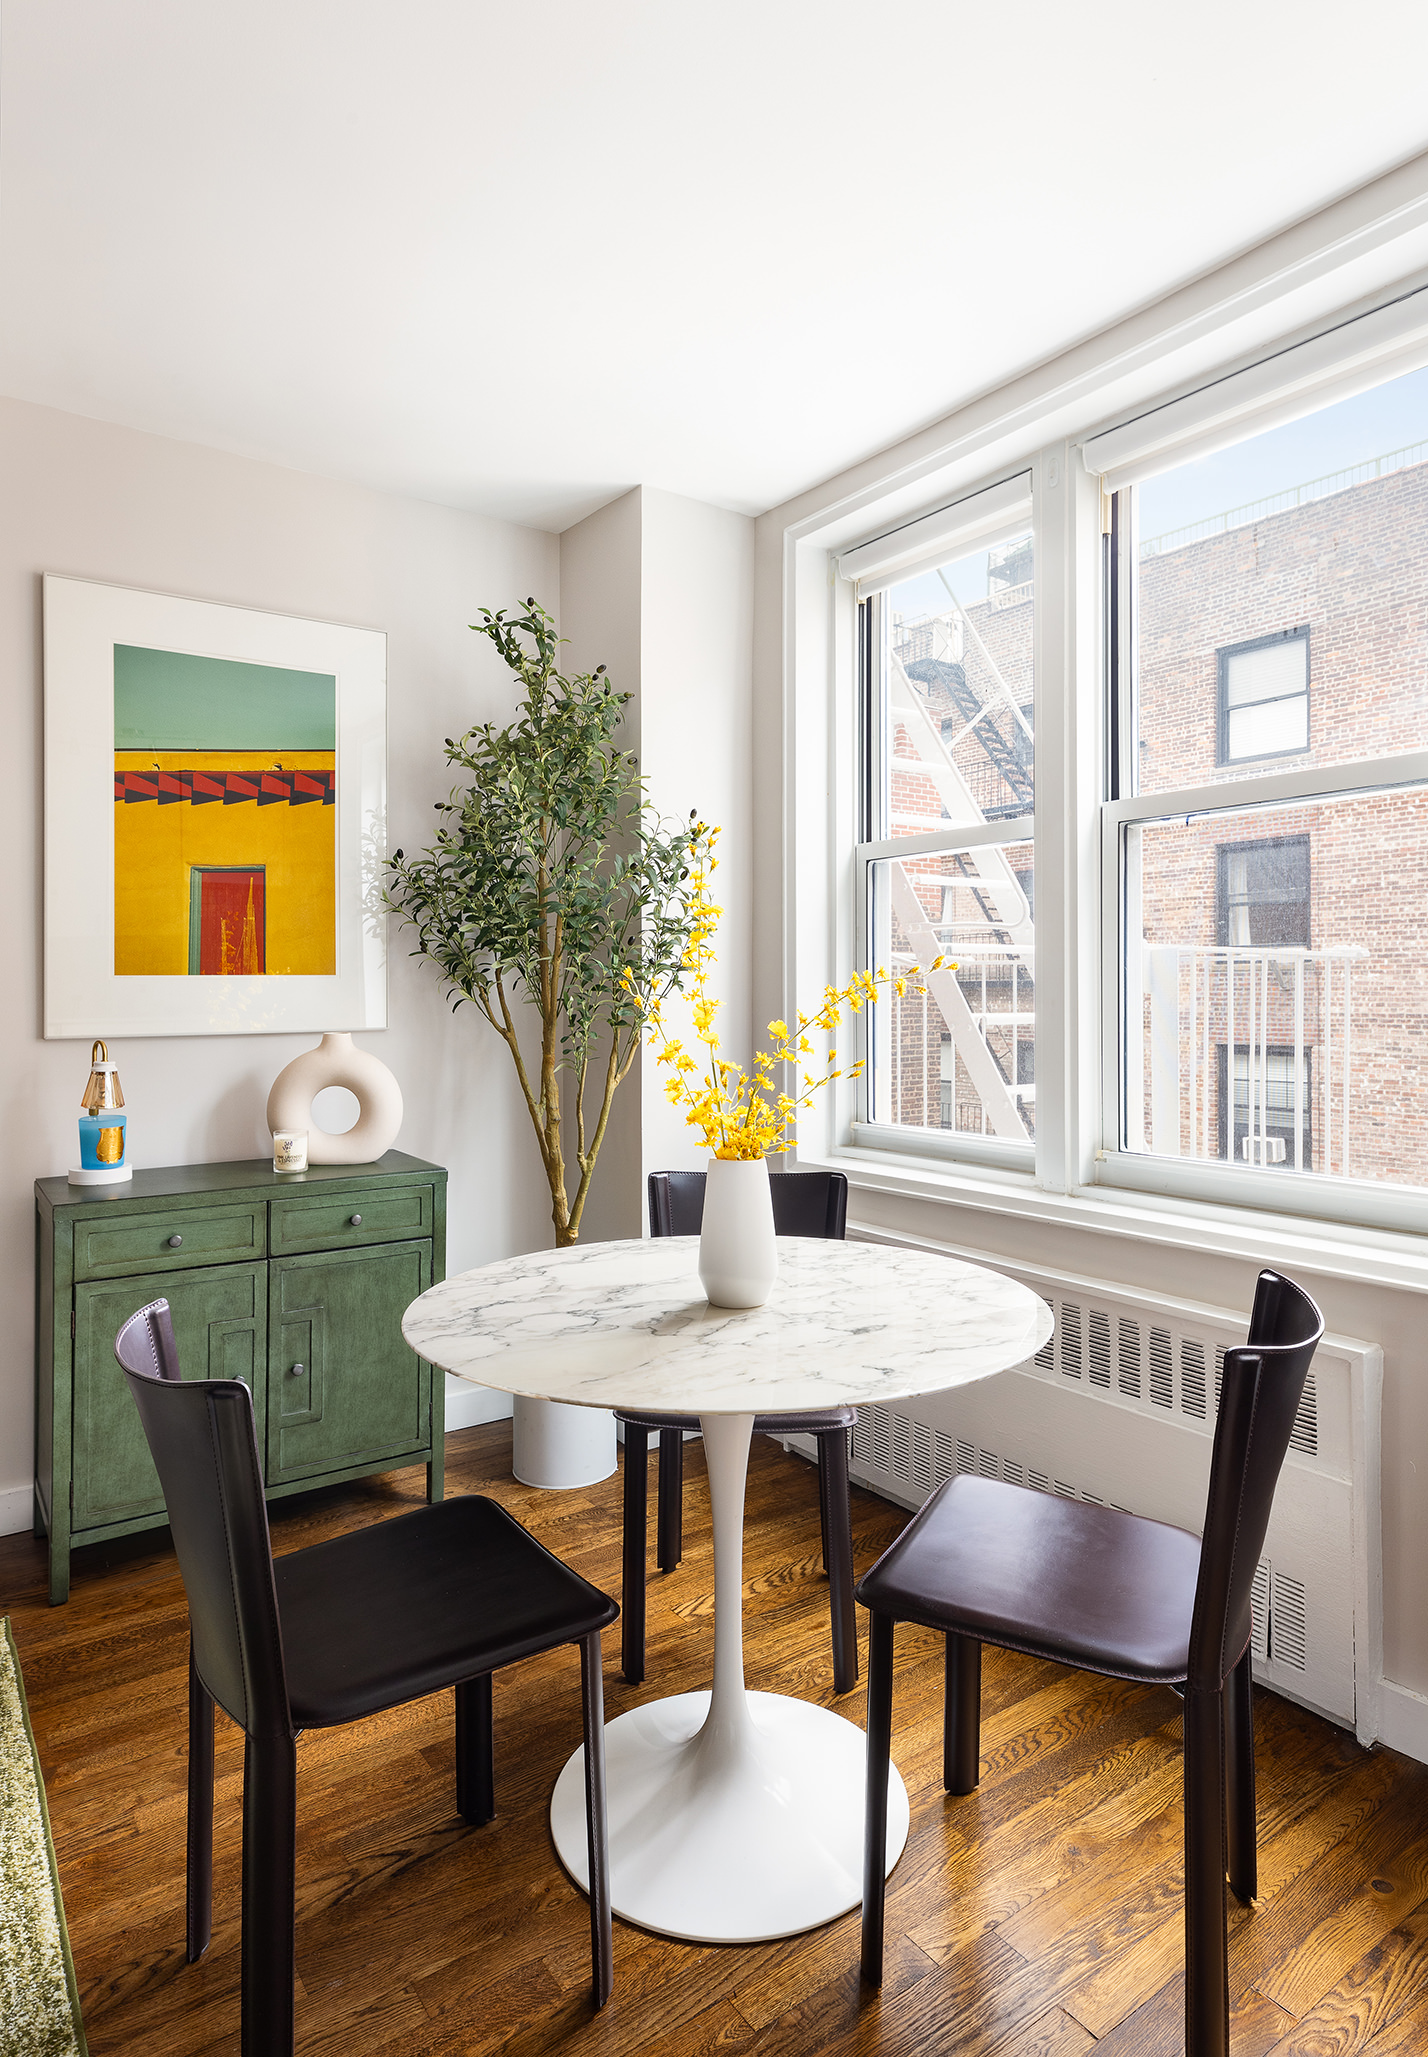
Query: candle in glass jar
{"x": 290, "y": 1149}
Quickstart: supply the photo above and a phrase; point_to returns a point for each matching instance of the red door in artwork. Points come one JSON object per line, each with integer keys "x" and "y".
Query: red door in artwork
{"x": 227, "y": 927}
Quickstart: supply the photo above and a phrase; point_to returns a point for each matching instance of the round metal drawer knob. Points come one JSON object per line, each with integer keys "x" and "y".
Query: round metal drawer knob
{"x": 297, "y": 1371}
{"x": 174, "y": 1242}
{"x": 356, "y": 1221}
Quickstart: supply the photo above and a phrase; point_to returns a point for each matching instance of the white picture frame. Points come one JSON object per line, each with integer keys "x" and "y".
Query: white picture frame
{"x": 84, "y": 621}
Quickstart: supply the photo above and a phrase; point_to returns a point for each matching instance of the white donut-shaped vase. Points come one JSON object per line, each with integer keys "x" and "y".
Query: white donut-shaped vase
{"x": 337, "y": 1062}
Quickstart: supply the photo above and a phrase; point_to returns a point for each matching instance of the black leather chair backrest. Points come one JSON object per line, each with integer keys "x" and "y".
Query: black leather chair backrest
{"x": 1259, "y": 1398}
{"x": 805, "y": 1203}
{"x": 201, "y": 1437}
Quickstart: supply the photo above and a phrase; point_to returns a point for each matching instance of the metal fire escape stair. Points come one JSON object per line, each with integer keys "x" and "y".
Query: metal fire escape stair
{"x": 1003, "y": 755}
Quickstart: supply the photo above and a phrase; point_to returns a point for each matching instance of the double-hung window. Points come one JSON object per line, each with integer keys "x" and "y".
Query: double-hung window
{"x": 1222, "y": 996}
{"x": 1265, "y": 857}
{"x": 944, "y": 864}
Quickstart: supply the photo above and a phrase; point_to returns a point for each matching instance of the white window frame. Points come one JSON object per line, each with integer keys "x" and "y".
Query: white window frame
{"x": 1321, "y": 354}
{"x": 973, "y": 521}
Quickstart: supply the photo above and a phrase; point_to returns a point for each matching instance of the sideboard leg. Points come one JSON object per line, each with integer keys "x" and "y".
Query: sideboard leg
{"x": 59, "y": 1570}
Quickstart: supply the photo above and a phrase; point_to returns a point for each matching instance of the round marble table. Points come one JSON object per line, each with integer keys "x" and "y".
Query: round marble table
{"x": 734, "y": 1816}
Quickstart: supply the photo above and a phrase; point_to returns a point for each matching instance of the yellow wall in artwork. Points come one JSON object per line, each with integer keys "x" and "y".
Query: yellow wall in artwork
{"x": 154, "y": 848}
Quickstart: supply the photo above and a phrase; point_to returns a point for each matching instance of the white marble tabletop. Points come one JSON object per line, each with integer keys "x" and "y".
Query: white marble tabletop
{"x": 627, "y": 1325}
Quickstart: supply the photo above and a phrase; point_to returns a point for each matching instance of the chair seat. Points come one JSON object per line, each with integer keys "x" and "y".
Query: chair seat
{"x": 409, "y": 1606}
{"x": 808, "y": 1422}
{"x": 1055, "y": 1578}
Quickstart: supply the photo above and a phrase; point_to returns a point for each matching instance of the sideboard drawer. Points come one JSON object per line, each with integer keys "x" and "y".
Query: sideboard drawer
{"x": 317, "y": 1220}
{"x": 175, "y": 1240}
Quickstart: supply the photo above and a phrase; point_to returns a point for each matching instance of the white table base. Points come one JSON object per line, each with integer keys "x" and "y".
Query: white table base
{"x": 734, "y": 1817}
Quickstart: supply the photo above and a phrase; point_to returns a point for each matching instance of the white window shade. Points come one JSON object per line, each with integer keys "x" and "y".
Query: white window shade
{"x": 922, "y": 545}
{"x": 1342, "y": 361}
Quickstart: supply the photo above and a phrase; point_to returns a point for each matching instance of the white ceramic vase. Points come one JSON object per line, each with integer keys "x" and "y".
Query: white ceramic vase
{"x": 338, "y": 1062}
{"x": 738, "y": 1251}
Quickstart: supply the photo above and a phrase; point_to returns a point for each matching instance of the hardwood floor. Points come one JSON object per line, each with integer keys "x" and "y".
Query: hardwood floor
{"x": 1040, "y": 1917}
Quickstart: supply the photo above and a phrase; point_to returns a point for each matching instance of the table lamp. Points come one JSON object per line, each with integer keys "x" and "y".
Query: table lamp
{"x": 102, "y": 1126}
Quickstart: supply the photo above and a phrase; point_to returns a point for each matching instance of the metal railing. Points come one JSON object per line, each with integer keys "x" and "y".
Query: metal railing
{"x": 1246, "y": 1055}
{"x": 1280, "y": 503}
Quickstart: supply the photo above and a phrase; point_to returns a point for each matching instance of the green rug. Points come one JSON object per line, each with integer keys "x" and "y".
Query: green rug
{"x": 39, "y": 2001}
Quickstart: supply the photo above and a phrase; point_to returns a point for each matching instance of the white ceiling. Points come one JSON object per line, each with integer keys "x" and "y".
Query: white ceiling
{"x": 519, "y": 257}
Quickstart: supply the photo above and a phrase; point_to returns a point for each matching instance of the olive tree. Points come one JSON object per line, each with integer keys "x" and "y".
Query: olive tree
{"x": 552, "y": 885}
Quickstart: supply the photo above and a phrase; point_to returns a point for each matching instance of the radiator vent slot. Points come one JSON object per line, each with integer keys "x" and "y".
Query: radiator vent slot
{"x": 1288, "y": 1623}
{"x": 1304, "y": 1436}
{"x": 1192, "y": 1377}
{"x": 1162, "y": 1381}
{"x": 1130, "y": 1358}
{"x": 1100, "y": 1352}
{"x": 1259, "y": 1610}
{"x": 1069, "y": 1329}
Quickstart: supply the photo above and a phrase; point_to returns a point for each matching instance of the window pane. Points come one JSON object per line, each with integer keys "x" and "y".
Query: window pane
{"x": 1278, "y": 948}
{"x": 1282, "y": 593}
{"x": 958, "y": 694}
{"x": 1270, "y": 730}
{"x": 960, "y": 1056}
{"x": 1267, "y": 671}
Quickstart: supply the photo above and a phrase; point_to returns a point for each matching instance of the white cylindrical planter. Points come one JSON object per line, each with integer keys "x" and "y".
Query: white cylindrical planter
{"x": 738, "y": 1251}
{"x": 555, "y": 1446}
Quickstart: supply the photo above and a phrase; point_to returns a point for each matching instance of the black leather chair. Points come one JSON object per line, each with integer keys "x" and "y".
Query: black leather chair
{"x": 805, "y": 1203}
{"x": 1115, "y": 1594}
{"x": 440, "y": 1597}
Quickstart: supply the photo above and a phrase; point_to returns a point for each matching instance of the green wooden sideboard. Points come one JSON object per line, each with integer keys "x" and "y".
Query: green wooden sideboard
{"x": 294, "y": 1282}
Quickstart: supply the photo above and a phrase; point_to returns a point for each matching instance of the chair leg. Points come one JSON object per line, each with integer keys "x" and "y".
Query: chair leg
{"x": 597, "y": 1842}
{"x": 200, "y": 1814}
{"x": 632, "y": 1577}
{"x": 1207, "y": 1981}
{"x": 269, "y": 1853}
{"x": 669, "y": 1522}
{"x": 962, "y": 1715}
{"x": 838, "y": 1554}
{"x": 475, "y": 1752}
{"x": 875, "y": 1816}
{"x": 1239, "y": 1780}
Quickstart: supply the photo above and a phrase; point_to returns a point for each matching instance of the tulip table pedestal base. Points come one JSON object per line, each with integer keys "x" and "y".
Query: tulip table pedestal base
{"x": 734, "y": 1817}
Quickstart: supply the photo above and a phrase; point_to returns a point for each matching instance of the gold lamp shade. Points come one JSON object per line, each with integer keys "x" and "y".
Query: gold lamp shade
{"x": 104, "y": 1089}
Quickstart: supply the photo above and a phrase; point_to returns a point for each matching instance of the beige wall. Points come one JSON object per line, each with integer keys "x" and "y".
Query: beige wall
{"x": 109, "y": 504}
{"x": 660, "y": 588}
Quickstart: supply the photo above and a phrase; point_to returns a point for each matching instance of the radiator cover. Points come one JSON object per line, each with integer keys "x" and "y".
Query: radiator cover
{"x": 1119, "y": 1408}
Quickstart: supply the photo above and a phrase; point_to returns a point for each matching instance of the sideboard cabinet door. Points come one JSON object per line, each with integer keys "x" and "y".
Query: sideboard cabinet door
{"x": 220, "y": 1319}
{"x": 343, "y": 1387}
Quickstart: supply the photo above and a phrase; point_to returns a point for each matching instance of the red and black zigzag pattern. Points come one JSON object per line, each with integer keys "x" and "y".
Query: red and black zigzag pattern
{"x": 268, "y": 788}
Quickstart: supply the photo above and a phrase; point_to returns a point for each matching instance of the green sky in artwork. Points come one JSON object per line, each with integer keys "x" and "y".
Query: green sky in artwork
{"x": 169, "y": 700}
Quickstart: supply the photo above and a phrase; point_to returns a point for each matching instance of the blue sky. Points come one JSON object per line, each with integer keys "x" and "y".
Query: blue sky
{"x": 1371, "y": 424}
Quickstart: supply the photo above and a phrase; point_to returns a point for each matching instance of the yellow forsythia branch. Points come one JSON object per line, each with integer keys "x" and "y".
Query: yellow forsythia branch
{"x": 741, "y": 1114}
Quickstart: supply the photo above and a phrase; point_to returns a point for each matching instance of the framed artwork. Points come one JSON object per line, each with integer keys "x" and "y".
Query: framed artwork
{"x": 215, "y": 802}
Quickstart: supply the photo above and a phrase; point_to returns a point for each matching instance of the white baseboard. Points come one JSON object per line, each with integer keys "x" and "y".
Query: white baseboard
{"x": 466, "y": 1405}
{"x": 1403, "y": 1720}
{"x": 17, "y": 1509}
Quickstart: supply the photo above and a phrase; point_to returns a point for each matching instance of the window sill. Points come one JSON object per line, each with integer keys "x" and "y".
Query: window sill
{"x": 1258, "y": 1236}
